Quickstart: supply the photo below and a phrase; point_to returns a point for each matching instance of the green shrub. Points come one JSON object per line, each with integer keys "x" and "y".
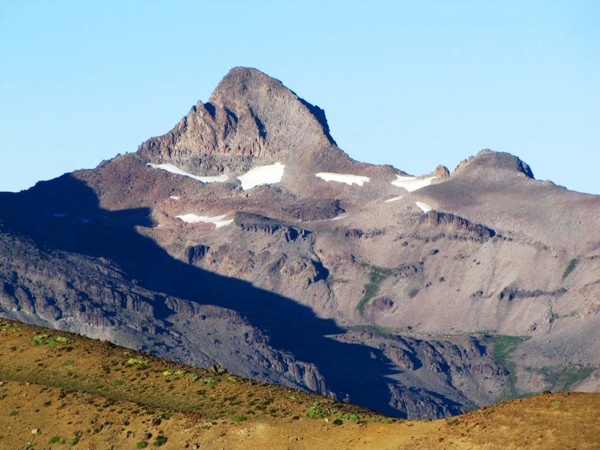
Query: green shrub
{"x": 347, "y": 416}
{"x": 44, "y": 339}
{"x": 209, "y": 381}
{"x": 40, "y": 339}
{"x": 53, "y": 440}
{"x": 316, "y": 411}
{"x": 171, "y": 373}
{"x": 570, "y": 267}
{"x": 141, "y": 444}
{"x": 160, "y": 441}
{"x": 139, "y": 361}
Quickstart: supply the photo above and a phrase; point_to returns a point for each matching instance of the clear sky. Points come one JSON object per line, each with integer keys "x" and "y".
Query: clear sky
{"x": 407, "y": 83}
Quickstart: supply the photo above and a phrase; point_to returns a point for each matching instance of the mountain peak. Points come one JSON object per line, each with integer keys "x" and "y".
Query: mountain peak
{"x": 240, "y": 81}
{"x": 261, "y": 92}
{"x": 250, "y": 118}
{"x": 497, "y": 162}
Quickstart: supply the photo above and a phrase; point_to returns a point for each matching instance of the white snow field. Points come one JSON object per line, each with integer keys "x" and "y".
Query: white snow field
{"x": 260, "y": 175}
{"x": 343, "y": 178}
{"x": 412, "y": 183}
{"x": 174, "y": 197}
{"x": 217, "y": 220}
{"x": 393, "y": 199}
{"x": 176, "y": 170}
{"x": 424, "y": 206}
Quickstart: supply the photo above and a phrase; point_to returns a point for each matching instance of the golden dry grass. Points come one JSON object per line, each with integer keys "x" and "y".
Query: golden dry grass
{"x": 88, "y": 394}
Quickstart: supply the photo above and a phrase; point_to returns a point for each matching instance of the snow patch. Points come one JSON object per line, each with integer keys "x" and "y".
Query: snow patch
{"x": 393, "y": 199}
{"x": 343, "y": 178}
{"x": 176, "y": 170}
{"x": 174, "y": 197}
{"x": 217, "y": 220}
{"x": 412, "y": 183}
{"x": 339, "y": 217}
{"x": 424, "y": 206}
{"x": 262, "y": 175}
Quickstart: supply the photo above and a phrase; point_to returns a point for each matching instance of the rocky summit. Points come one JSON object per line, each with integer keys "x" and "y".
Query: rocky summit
{"x": 244, "y": 238}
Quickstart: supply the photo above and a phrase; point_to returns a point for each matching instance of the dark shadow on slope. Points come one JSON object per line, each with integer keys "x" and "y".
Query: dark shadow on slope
{"x": 65, "y": 214}
{"x": 319, "y": 114}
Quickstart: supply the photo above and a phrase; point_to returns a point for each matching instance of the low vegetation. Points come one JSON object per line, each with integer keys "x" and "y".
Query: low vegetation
{"x": 50, "y": 341}
{"x": 75, "y": 363}
{"x": 564, "y": 378}
{"x": 138, "y": 361}
{"x": 570, "y": 267}
{"x": 502, "y": 348}
{"x": 81, "y": 393}
{"x": 376, "y": 277}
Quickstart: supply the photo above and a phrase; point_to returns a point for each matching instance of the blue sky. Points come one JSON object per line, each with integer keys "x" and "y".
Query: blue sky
{"x": 407, "y": 83}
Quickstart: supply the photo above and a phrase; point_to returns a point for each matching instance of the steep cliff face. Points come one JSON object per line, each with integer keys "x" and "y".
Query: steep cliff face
{"x": 245, "y": 237}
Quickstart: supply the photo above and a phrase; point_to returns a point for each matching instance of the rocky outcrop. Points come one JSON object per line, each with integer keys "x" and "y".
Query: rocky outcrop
{"x": 420, "y": 403}
{"x": 260, "y": 224}
{"x": 496, "y": 162}
{"x": 457, "y": 223}
{"x": 441, "y": 172}
{"x": 512, "y": 291}
{"x": 305, "y": 210}
{"x": 195, "y": 253}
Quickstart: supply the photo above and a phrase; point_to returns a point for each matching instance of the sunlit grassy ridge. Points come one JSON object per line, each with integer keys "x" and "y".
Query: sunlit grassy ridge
{"x": 59, "y": 390}
{"x": 75, "y": 363}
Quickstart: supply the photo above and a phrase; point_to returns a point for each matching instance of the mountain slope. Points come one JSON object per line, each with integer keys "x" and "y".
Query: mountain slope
{"x": 245, "y": 237}
{"x": 89, "y": 393}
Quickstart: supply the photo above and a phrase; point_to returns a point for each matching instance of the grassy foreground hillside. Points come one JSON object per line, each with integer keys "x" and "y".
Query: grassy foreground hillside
{"x": 64, "y": 391}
